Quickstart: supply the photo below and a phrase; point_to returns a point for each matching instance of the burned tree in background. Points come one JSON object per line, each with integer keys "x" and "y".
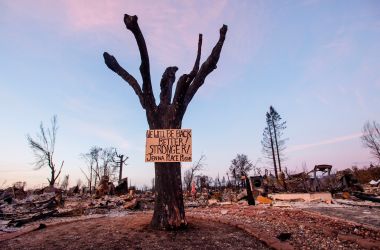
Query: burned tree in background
{"x": 43, "y": 149}
{"x": 240, "y": 167}
{"x": 371, "y": 138}
{"x": 272, "y": 143}
{"x": 92, "y": 160}
{"x": 189, "y": 174}
{"x": 268, "y": 144}
{"x": 169, "y": 209}
{"x": 120, "y": 162}
{"x": 278, "y": 126}
{"x": 101, "y": 162}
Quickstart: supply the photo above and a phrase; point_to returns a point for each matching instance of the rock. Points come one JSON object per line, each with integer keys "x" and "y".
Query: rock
{"x": 225, "y": 203}
{"x": 127, "y": 197}
{"x": 212, "y": 202}
{"x": 242, "y": 195}
{"x": 346, "y": 195}
{"x": 131, "y": 205}
{"x": 243, "y": 203}
{"x": 224, "y": 211}
{"x": 284, "y": 236}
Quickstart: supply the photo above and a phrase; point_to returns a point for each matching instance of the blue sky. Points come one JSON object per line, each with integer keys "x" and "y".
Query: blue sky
{"x": 316, "y": 62}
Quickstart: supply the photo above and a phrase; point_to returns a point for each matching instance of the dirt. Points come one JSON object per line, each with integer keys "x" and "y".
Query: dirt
{"x": 308, "y": 230}
{"x": 215, "y": 227}
{"x": 366, "y": 216}
{"x": 133, "y": 232}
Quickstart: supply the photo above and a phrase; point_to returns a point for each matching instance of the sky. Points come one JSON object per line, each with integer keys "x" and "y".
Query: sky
{"x": 316, "y": 62}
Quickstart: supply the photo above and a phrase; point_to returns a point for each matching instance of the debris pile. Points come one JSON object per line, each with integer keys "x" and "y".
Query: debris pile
{"x": 19, "y": 207}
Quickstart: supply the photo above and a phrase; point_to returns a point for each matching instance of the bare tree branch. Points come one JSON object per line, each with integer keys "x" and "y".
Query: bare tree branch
{"x": 85, "y": 175}
{"x": 371, "y": 138}
{"x": 113, "y": 65}
{"x": 132, "y": 25}
{"x": 59, "y": 172}
{"x": 43, "y": 149}
{"x": 181, "y": 89}
{"x": 194, "y": 72}
{"x": 166, "y": 85}
{"x": 207, "y": 67}
{"x": 184, "y": 82}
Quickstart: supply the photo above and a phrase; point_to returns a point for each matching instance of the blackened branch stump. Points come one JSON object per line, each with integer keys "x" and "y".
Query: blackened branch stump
{"x": 169, "y": 211}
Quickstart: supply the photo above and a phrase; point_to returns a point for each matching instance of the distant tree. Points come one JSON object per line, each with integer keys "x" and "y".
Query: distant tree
{"x": 217, "y": 182}
{"x": 189, "y": 174}
{"x": 100, "y": 162}
{"x": 19, "y": 185}
{"x": 92, "y": 160}
{"x": 43, "y": 149}
{"x": 65, "y": 182}
{"x": 120, "y": 160}
{"x": 273, "y": 145}
{"x": 240, "y": 166}
{"x": 268, "y": 144}
{"x": 223, "y": 183}
{"x": 107, "y": 160}
{"x": 202, "y": 181}
{"x": 371, "y": 138}
{"x": 278, "y": 127}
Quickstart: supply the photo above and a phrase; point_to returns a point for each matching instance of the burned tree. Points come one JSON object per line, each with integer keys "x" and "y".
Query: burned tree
{"x": 272, "y": 143}
{"x": 43, "y": 149}
{"x": 120, "y": 162}
{"x": 92, "y": 159}
{"x": 106, "y": 162}
{"x": 278, "y": 126}
{"x": 268, "y": 144}
{"x": 371, "y": 138}
{"x": 100, "y": 162}
{"x": 190, "y": 173}
{"x": 169, "y": 210}
{"x": 239, "y": 168}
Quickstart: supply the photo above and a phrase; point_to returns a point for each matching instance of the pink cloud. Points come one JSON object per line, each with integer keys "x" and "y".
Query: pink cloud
{"x": 324, "y": 142}
{"x": 170, "y": 28}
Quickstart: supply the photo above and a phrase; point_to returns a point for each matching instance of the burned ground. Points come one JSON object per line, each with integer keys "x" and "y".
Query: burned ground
{"x": 52, "y": 219}
{"x": 211, "y": 227}
{"x": 133, "y": 232}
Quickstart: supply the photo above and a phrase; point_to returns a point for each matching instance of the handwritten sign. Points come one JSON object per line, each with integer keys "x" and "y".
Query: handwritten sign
{"x": 168, "y": 145}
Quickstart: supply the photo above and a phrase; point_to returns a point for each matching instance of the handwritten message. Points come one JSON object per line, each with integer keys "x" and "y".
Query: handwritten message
{"x": 168, "y": 145}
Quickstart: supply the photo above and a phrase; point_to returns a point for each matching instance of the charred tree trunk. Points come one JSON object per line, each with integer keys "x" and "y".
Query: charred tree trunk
{"x": 121, "y": 162}
{"x": 121, "y": 168}
{"x": 277, "y": 150}
{"x": 90, "y": 180}
{"x": 169, "y": 212}
{"x": 250, "y": 198}
{"x": 273, "y": 152}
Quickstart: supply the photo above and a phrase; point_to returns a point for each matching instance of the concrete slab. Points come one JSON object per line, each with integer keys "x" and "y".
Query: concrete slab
{"x": 307, "y": 197}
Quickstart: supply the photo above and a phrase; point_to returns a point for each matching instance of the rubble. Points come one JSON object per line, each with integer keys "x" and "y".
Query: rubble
{"x": 374, "y": 183}
{"x": 307, "y": 197}
{"x": 17, "y": 209}
{"x": 298, "y": 228}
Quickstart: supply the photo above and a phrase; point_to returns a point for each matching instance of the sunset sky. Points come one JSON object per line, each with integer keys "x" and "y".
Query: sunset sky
{"x": 316, "y": 62}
